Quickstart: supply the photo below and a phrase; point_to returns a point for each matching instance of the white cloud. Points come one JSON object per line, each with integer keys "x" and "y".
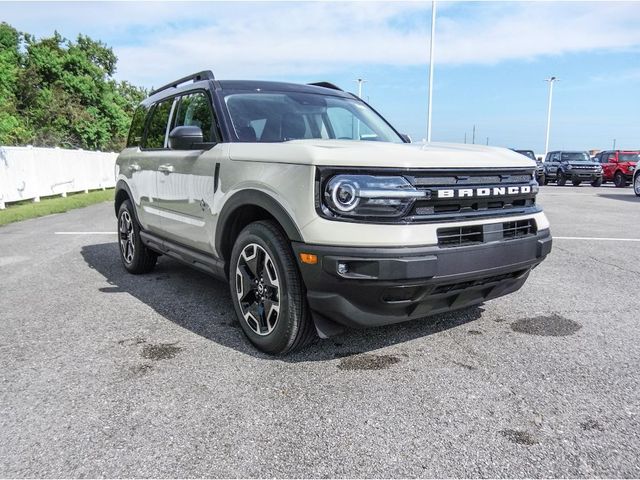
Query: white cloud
{"x": 156, "y": 42}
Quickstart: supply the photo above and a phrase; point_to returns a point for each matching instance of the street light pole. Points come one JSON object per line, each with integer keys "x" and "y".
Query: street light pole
{"x": 551, "y": 81}
{"x": 614, "y": 144}
{"x": 431, "y": 59}
{"x": 360, "y": 82}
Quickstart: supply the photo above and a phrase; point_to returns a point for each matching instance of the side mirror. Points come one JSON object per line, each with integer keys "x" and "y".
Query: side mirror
{"x": 405, "y": 137}
{"x": 185, "y": 137}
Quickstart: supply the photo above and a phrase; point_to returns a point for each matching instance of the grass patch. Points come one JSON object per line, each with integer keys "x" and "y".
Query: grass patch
{"x": 16, "y": 212}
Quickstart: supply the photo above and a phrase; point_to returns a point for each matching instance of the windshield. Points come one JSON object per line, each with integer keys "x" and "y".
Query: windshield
{"x": 628, "y": 157}
{"x": 527, "y": 153}
{"x": 576, "y": 157}
{"x": 283, "y": 116}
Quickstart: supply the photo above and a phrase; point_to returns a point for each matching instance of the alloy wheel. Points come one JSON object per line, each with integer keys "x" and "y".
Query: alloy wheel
{"x": 636, "y": 185}
{"x": 127, "y": 244}
{"x": 258, "y": 289}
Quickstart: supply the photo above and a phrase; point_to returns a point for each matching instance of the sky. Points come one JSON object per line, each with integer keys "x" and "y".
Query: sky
{"x": 491, "y": 58}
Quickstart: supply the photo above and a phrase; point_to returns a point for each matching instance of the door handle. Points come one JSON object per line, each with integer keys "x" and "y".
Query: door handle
{"x": 166, "y": 168}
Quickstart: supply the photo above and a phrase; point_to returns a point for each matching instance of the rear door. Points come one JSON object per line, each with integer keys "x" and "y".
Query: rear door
{"x": 149, "y": 160}
{"x": 186, "y": 181}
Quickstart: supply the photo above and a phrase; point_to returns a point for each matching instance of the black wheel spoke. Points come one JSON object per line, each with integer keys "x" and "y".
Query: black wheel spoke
{"x": 257, "y": 289}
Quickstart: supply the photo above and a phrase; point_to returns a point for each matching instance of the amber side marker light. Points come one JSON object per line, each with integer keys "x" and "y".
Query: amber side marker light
{"x": 309, "y": 258}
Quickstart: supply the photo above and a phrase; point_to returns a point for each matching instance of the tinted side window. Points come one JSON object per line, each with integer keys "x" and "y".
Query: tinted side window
{"x": 137, "y": 127}
{"x": 195, "y": 109}
{"x": 157, "y": 129}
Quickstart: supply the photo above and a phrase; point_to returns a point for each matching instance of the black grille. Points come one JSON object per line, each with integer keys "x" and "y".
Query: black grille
{"x": 435, "y": 208}
{"x": 476, "y": 234}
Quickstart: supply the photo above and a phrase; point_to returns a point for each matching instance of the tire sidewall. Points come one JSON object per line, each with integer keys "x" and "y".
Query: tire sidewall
{"x": 281, "y": 336}
{"x": 137, "y": 241}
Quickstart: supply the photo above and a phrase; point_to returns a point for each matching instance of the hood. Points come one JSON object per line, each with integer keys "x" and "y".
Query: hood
{"x": 353, "y": 153}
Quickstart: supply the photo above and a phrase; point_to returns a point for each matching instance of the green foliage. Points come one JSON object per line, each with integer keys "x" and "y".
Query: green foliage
{"x": 56, "y": 92}
{"x": 16, "y": 212}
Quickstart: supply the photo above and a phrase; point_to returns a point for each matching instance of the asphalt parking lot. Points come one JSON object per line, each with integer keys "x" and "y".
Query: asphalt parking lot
{"x": 107, "y": 374}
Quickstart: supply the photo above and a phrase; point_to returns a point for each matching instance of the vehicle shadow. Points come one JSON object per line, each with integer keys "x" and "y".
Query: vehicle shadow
{"x": 201, "y": 304}
{"x": 625, "y": 197}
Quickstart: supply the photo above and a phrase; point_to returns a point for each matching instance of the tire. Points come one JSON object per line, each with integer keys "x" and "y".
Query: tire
{"x": 135, "y": 257}
{"x": 597, "y": 183}
{"x": 264, "y": 276}
{"x": 542, "y": 179}
{"x": 576, "y": 183}
{"x": 562, "y": 179}
{"x": 545, "y": 180}
{"x": 636, "y": 185}
{"x": 619, "y": 180}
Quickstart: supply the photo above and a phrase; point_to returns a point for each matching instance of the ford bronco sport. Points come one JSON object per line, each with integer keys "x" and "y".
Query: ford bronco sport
{"x": 317, "y": 212}
{"x": 576, "y": 167}
{"x": 618, "y": 166}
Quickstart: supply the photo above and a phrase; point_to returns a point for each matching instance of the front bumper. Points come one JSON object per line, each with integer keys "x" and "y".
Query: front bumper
{"x": 582, "y": 176}
{"x": 389, "y": 285}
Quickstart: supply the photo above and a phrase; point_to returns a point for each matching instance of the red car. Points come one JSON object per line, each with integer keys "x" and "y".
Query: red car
{"x": 618, "y": 165}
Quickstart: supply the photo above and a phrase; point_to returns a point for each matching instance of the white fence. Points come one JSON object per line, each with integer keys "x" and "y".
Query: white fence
{"x": 30, "y": 172}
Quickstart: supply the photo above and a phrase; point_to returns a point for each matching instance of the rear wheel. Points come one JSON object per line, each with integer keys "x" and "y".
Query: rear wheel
{"x": 576, "y": 183}
{"x": 636, "y": 185}
{"x": 135, "y": 257}
{"x": 597, "y": 182}
{"x": 562, "y": 179}
{"x": 267, "y": 290}
{"x": 619, "y": 180}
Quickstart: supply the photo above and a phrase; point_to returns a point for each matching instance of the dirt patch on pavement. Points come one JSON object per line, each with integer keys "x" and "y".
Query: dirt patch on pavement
{"x": 546, "y": 326}
{"x": 367, "y": 361}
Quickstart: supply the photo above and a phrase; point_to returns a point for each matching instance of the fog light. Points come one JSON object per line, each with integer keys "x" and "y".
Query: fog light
{"x": 343, "y": 268}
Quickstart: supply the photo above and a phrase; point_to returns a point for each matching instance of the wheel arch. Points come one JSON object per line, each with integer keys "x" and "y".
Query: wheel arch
{"x": 245, "y": 207}
{"x": 124, "y": 193}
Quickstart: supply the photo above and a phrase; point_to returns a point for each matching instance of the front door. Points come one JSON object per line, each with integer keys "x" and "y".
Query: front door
{"x": 186, "y": 178}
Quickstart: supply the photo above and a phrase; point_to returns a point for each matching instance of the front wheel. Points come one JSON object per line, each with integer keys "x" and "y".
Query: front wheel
{"x": 562, "y": 179}
{"x": 267, "y": 290}
{"x": 597, "y": 182}
{"x": 636, "y": 185}
{"x": 619, "y": 180}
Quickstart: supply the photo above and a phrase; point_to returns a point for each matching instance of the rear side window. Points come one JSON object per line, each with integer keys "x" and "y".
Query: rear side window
{"x": 195, "y": 109}
{"x": 137, "y": 127}
{"x": 157, "y": 129}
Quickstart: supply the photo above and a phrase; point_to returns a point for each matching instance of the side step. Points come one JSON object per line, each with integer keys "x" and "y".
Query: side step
{"x": 199, "y": 260}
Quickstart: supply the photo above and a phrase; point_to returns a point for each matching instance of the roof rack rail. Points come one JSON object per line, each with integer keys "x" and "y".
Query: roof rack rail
{"x": 196, "y": 77}
{"x": 326, "y": 85}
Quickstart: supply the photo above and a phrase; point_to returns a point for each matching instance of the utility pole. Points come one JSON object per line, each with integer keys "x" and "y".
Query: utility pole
{"x": 473, "y": 136}
{"x": 487, "y": 140}
{"x": 614, "y": 144}
{"x": 465, "y": 137}
{"x": 431, "y": 60}
{"x": 551, "y": 81}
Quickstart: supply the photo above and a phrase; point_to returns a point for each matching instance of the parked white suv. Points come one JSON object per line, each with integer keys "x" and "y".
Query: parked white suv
{"x": 317, "y": 211}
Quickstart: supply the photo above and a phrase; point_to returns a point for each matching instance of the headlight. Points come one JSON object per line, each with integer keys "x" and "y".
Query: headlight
{"x": 369, "y": 196}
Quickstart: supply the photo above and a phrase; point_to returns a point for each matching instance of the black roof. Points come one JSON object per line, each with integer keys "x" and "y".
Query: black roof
{"x": 201, "y": 81}
{"x": 279, "y": 87}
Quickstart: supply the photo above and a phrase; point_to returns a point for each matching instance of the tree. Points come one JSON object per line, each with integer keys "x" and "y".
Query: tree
{"x": 56, "y": 92}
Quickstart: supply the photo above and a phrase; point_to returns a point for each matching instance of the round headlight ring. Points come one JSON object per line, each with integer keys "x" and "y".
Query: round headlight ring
{"x": 344, "y": 196}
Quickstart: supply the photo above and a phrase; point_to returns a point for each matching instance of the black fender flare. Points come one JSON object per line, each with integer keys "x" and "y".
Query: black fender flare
{"x": 251, "y": 197}
{"x": 122, "y": 185}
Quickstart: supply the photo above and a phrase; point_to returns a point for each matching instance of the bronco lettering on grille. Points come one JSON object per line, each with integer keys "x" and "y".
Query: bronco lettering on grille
{"x": 483, "y": 192}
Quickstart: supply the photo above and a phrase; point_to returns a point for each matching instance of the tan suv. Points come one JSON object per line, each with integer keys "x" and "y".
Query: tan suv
{"x": 317, "y": 211}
